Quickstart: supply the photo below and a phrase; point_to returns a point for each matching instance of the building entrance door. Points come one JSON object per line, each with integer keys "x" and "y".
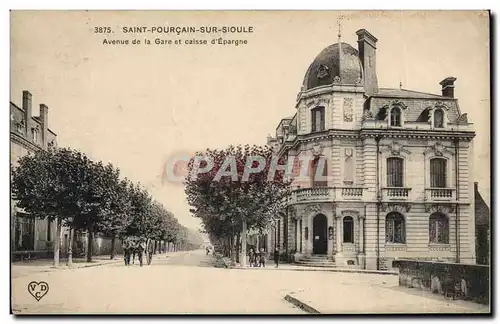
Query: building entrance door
{"x": 320, "y": 239}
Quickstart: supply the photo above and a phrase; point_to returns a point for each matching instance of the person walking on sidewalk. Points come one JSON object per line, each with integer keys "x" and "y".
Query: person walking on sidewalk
{"x": 262, "y": 259}
{"x": 276, "y": 256}
{"x": 251, "y": 258}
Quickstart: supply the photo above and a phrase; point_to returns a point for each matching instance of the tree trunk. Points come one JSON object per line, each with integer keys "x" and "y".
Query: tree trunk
{"x": 57, "y": 242}
{"x": 90, "y": 240}
{"x": 244, "y": 243}
{"x": 70, "y": 247}
{"x": 156, "y": 247}
{"x": 233, "y": 250}
{"x": 113, "y": 239}
{"x": 238, "y": 248}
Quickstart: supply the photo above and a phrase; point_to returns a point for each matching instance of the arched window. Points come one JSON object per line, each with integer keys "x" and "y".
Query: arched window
{"x": 348, "y": 230}
{"x": 394, "y": 172}
{"x": 438, "y": 118}
{"x": 318, "y": 119}
{"x": 319, "y": 172}
{"x": 396, "y": 117}
{"x": 438, "y": 173}
{"x": 395, "y": 228}
{"x": 438, "y": 229}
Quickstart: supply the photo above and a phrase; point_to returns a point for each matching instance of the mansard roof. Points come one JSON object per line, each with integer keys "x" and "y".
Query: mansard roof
{"x": 416, "y": 103}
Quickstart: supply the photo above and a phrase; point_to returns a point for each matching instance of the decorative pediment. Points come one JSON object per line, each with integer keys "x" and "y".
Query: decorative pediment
{"x": 441, "y": 104}
{"x": 353, "y": 213}
{"x": 438, "y": 149}
{"x": 440, "y": 208}
{"x": 314, "y": 102}
{"x": 396, "y": 207}
{"x": 396, "y": 148}
{"x": 396, "y": 103}
{"x": 309, "y": 209}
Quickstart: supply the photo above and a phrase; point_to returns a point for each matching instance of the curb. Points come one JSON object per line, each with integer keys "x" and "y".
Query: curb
{"x": 306, "y": 308}
{"x": 385, "y": 273}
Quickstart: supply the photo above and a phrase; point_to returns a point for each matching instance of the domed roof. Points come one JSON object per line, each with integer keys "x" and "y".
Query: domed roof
{"x": 325, "y": 67}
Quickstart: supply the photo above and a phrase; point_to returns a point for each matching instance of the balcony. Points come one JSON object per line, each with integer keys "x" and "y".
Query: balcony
{"x": 313, "y": 194}
{"x": 327, "y": 194}
{"x": 440, "y": 194}
{"x": 395, "y": 193}
{"x": 354, "y": 193}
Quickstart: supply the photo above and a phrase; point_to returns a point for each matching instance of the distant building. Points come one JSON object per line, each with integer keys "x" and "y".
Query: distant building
{"x": 482, "y": 212}
{"x": 29, "y": 133}
{"x": 389, "y": 170}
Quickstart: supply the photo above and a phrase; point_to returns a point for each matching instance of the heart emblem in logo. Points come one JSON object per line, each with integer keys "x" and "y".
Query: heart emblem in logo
{"x": 38, "y": 289}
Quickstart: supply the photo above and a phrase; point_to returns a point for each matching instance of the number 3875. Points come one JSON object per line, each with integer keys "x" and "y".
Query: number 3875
{"x": 102, "y": 30}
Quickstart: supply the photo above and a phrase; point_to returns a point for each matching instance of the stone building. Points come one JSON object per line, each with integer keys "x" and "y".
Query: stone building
{"x": 29, "y": 133}
{"x": 379, "y": 173}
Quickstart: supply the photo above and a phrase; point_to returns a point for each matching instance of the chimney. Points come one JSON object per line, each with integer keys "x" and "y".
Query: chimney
{"x": 367, "y": 54}
{"x": 44, "y": 116}
{"x": 27, "y": 110}
{"x": 448, "y": 87}
{"x": 475, "y": 186}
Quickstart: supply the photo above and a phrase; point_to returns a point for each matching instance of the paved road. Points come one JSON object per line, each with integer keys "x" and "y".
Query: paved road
{"x": 184, "y": 282}
{"x": 187, "y": 283}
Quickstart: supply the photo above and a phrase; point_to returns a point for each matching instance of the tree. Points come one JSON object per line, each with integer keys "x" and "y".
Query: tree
{"x": 46, "y": 184}
{"x": 241, "y": 198}
{"x": 116, "y": 215}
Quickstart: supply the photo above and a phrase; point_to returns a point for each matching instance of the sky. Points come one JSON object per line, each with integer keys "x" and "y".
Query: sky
{"x": 138, "y": 105}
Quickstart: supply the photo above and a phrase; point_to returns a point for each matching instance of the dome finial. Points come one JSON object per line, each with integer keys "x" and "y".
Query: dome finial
{"x": 340, "y": 26}
{"x": 340, "y": 46}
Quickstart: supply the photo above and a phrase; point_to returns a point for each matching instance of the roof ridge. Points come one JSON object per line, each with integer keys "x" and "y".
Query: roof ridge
{"x": 414, "y": 91}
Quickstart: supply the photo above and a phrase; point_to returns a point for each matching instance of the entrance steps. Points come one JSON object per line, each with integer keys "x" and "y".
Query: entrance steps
{"x": 317, "y": 260}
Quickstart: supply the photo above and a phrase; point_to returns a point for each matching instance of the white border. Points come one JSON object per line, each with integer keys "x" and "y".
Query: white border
{"x": 189, "y": 5}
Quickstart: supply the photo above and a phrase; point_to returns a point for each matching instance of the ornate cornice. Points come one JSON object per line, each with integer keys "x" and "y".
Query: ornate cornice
{"x": 24, "y": 142}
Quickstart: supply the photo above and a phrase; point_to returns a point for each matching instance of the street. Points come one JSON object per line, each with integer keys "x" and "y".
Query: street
{"x": 187, "y": 283}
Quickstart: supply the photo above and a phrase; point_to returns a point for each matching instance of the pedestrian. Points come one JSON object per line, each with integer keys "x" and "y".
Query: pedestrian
{"x": 251, "y": 257}
{"x": 262, "y": 259}
{"x": 150, "y": 253}
{"x": 126, "y": 251}
{"x": 133, "y": 248}
{"x": 276, "y": 256}
{"x": 141, "y": 247}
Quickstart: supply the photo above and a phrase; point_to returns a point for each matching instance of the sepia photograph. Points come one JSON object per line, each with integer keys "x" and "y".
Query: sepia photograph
{"x": 250, "y": 162}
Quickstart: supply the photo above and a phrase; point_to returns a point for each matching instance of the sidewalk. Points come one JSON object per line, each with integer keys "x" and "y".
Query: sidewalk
{"x": 351, "y": 298}
{"x": 24, "y": 268}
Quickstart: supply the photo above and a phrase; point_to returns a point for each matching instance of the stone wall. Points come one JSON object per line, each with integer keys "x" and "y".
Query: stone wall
{"x": 464, "y": 281}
